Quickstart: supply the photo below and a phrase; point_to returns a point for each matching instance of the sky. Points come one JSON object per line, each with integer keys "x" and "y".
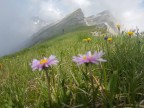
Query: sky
{"x": 17, "y": 24}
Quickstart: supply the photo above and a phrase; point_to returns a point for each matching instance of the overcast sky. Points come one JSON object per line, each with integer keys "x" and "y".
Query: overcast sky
{"x": 16, "y": 23}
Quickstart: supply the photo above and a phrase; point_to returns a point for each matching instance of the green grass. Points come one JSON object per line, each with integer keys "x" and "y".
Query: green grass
{"x": 117, "y": 82}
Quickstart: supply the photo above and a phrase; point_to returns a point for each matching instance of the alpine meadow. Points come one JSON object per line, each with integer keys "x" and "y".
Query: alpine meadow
{"x": 75, "y": 62}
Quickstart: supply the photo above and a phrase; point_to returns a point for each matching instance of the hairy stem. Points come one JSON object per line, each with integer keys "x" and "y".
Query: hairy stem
{"x": 49, "y": 88}
{"x": 92, "y": 84}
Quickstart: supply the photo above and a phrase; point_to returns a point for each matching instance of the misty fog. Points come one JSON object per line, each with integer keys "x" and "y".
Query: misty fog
{"x": 17, "y": 24}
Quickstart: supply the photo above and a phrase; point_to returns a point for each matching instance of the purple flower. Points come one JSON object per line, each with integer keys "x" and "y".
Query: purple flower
{"x": 89, "y": 58}
{"x": 106, "y": 37}
{"x": 44, "y": 63}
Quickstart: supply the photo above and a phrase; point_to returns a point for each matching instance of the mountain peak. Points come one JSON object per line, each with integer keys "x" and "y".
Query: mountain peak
{"x": 78, "y": 12}
{"x": 105, "y": 12}
{"x": 103, "y": 18}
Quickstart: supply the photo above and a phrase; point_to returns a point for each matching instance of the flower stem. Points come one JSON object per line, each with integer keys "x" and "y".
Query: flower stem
{"x": 92, "y": 84}
{"x": 107, "y": 48}
{"x": 49, "y": 90}
{"x": 104, "y": 75}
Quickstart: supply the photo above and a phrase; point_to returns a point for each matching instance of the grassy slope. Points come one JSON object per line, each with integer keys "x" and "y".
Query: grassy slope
{"x": 121, "y": 76}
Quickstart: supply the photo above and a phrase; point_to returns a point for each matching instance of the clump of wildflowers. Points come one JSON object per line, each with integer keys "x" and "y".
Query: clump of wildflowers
{"x": 87, "y": 40}
{"x": 89, "y": 58}
{"x": 106, "y": 37}
{"x": 109, "y": 39}
{"x": 130, "y": 33}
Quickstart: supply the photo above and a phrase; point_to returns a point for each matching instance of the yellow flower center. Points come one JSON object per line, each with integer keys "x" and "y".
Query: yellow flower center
{"x": 109, "y": 39}
{"x": 130, "y": 33}
{"x": 43, "y": 61}
{"x": 84, "y": 57}
{"x": 118, "y": 26}
{"x": 88, "y": 39}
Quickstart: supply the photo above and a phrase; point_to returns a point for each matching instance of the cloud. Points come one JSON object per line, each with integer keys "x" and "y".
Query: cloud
{"x": 50, "y": 12}
{"x": 82, "y": 3}
{"x": 16, "y": 24}
{"x": 133, "y": 18}
{"x": 128, "y": 12}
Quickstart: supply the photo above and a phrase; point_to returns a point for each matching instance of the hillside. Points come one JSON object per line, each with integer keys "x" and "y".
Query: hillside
{"x": 117, "y": 82}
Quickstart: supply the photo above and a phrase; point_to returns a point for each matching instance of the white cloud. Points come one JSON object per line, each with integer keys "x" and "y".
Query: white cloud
{"x": 128, "y": 12}
{"x": 82, "y": 3}
{"x": 49, "y": 12}
{"x": 134, "y": 18}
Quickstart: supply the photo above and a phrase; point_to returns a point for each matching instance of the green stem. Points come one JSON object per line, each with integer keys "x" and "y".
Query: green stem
{"x": 105, "y": 78}
{"x": 138, "y": 43}
{"x": 107, "y": 48}
{"x": 49, "y": 90}
{"x": 85, "y": 46}
{"x": 104, "y": 75}
{"x": 92, "y": 84}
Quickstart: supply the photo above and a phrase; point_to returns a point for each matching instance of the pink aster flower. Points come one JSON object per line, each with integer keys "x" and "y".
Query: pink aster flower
{"x": 44, "y": 63}
{"x": 89, "y": 58}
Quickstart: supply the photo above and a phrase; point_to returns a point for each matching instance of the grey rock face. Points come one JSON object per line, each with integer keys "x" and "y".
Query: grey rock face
{"x": 101, "y": 19}
{"x": 70, "y": 22}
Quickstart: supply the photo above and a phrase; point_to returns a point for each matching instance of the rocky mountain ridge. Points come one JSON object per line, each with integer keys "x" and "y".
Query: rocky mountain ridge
{"x": 73, "y": 21}
{"x": 70, "y": 22}
{"x": 104, "y": 18}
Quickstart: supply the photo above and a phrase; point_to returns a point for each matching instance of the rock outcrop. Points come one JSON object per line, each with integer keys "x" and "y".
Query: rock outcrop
{"x": 103, "y": 19}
